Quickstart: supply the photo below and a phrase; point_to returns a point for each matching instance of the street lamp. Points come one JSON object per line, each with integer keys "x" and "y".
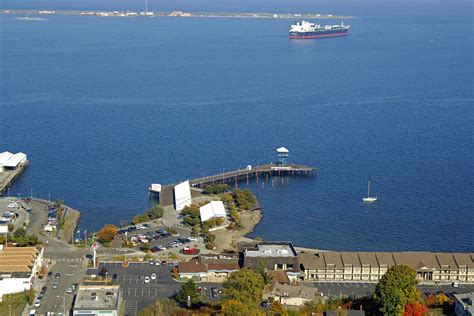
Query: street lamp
{"x": 64, "y": 303}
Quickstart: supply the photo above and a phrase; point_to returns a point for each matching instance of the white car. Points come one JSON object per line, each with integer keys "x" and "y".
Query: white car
{"x": 147, "y": 280}
{"x": 455, "y": 284}
{"x": 192, "y": 239}
{"x": 37, "y": 303}
{"x": 69, "y": 290}
{"x": 13, "y": 205}
{"x": 153, "y": 276}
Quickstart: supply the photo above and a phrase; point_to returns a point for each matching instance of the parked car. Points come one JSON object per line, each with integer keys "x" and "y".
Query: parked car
{"x": 37, "y": 303}
{"x": 153, "y": 276}
{"x": 192, "y": 238}
{"x": 69, "y": 290}
{"x": 50, "y": 274}
{"x": 57, "y": 275}
{"x": 147, "y": 280}
{"x": 455, "y": 284}
{"x": 54, "y": 286}
{"x": 214, "y": 292}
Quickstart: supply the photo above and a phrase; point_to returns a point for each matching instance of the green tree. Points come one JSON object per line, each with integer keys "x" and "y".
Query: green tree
{"x": 245, "y": 286}
{"x": 188, "y": 289}
{"x": 156, "y": 211}
{"x": 58, "y": 203}
{"x": 31, "y": 296}
{"x": 20, "y": 232}
{"x": 145, "y": 247}
{"x": 396, "y": 289}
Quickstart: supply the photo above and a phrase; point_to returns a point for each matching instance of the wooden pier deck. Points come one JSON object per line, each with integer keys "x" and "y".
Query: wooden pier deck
{"x": 9, "y": 176}
{"x": 238, "y": 175}
{"x": 262, "y": 170}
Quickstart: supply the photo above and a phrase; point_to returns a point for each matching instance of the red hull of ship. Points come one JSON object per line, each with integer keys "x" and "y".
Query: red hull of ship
{"x": 316, "y": 36}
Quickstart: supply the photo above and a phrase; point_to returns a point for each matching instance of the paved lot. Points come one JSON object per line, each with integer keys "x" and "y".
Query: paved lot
{"x": 137, "y": 294}
{"x": 364, "y": 289}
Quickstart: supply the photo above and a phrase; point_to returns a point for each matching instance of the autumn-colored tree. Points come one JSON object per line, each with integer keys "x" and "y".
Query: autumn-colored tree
{"x": 107, "y": 233}
{"x": 415, "y": 309}
{"x": 277, "y": 309}
{"x": 237, "y": 308}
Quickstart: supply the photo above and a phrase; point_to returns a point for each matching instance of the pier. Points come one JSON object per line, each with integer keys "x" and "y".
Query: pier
{"x": 7, "y": 177}
{"x": 248, "y": 173}
{"x": 266, "y": 171}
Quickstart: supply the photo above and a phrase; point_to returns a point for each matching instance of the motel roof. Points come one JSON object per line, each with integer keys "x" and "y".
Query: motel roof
{"x": 17, "y": 259}
{"x": 350, "y": 258}
{"x": 464, "y": 259}
{"x": 368, "y": 258}
{"x": 385, "y": 259}
{"x": 333, "y": 258}
{"x": 446, "y": 259}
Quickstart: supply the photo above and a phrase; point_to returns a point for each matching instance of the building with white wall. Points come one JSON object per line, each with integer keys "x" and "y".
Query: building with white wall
{"x": 19, "y": 267}
{"x": 96, "y": 300}
{"x": 182, "y": 195}
{"x": 213, "y": 209}
{"x": 9, "y": 161}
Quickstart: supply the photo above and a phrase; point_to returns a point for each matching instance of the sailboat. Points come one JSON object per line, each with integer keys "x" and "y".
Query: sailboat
{"x": 369, "y": 198}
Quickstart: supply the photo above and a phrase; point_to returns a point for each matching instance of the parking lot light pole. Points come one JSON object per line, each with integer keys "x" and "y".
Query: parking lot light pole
{"x": 64, "y": 303}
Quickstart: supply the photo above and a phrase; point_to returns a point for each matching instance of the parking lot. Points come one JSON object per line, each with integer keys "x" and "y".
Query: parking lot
{"x": 138, "y": 294}
{"x": 159, "y": 238}
{"x": 367, "y": 289}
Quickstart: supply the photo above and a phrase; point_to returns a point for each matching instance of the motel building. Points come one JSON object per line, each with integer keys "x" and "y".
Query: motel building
{"x": 19, "y": 267}
{"x": 371, "y": 266}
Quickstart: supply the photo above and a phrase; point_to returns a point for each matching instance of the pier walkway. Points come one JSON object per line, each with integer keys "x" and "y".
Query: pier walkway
{"x": 234, "y": 177}
{"x": 248, "y": 173}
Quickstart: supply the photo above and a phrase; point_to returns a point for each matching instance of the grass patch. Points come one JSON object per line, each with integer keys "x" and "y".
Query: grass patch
{"x": 17, "y": 302}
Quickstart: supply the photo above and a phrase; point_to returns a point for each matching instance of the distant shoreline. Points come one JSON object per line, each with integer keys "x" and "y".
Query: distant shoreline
{"x": 248, "y": 15}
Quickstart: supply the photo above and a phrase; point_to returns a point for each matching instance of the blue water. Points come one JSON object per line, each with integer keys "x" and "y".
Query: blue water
{"x": 106, "y": 106}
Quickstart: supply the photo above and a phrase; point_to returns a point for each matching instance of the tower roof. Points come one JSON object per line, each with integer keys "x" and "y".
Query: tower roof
{"x": 282, "y": 150}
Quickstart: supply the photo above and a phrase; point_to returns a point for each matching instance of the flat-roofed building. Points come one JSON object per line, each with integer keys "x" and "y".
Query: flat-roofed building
{"x": 463, "y": 306}
{"x": 182, "y": 195}
{"x": 98, "y": 300}
{"x": 19, "y": 267}
{"x": 273, "y": 256}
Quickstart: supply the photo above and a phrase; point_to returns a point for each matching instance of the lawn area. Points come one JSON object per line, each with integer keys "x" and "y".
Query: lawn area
{"x": 17, "y": 302}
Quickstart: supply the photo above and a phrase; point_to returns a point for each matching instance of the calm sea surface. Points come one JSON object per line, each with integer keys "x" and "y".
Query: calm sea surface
{"x": 106, "y": 106}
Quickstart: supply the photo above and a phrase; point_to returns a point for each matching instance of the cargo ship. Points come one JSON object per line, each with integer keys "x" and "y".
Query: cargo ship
{"x": 305, "y": 29}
